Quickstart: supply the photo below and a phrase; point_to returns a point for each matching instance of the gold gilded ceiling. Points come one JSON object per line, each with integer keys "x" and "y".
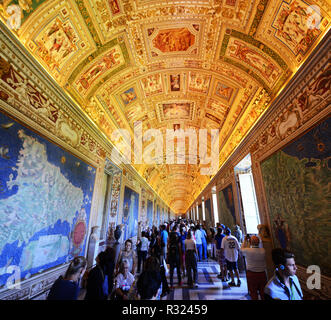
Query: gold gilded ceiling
{"x": 200, "y": 64}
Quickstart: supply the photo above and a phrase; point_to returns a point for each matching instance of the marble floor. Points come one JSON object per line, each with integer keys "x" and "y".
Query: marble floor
{"x": 209, "y": 286}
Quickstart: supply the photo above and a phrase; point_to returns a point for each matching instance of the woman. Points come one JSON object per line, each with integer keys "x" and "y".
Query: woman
{"x": 67, "y": 287}
{"x": 191, "y": 260}
{"x": 149, "y": 285}
{"x": 156, "y": 254}
{"x": 95, "y": 287}
{"x": 154, "y": 246}
{"x": 143, "y": 245}
{"x": 152, "y": 265}
{"x": 128, "y": 255}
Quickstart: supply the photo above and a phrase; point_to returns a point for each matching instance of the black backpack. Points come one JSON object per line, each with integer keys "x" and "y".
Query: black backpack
{"x": 173, "y": 243}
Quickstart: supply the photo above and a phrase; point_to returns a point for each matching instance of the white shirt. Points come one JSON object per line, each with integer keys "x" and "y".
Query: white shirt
{"x": 231, "y": 246}
{"x": 198, "y": 236}
{"x": 144, "y": 244}
{"x": 124, "y": 283}
{"x": 255, "y": 259}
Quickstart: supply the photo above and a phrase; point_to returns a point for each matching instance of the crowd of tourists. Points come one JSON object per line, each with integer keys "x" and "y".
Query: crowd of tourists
{"x": 142, "y": 269}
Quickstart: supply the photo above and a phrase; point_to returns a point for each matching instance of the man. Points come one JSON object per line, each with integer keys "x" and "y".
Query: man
{"x": 198, "y": 240}
{"x": 143, "y": 244}
{"x": 238, "y": 233}
{"x": 220, "y": 254}
{"x": 284, "y": 285}
{"x": 174, "y": 255}
{"x": 204, "y": 242}
{"x": 231, "y": 248}
{"x": 164, "y": 242}
{"x": 256, "y": 267}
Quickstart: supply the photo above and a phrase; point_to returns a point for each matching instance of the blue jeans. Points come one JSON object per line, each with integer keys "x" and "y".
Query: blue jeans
{"x": 199, "y": 248}
{"x": 204, "y": 248}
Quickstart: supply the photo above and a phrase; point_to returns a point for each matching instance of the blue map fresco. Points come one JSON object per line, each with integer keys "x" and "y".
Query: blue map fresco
{"x": 157, "y": 215}
{"x": 130, "y": 213}
{"x": 150, "y": 213}
{"x": 44, "y": 191}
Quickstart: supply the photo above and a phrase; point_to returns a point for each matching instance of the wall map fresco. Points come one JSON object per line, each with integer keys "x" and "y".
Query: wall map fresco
{"x": 45, "y": 202}
{"x": 297, "y": 187}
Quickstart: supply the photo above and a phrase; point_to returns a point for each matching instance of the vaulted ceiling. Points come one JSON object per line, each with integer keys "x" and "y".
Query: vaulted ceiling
{"x": 143, "y": 64}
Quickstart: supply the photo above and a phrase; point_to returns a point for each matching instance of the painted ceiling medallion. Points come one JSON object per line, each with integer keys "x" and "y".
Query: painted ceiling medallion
{"x": 173, "y": 40}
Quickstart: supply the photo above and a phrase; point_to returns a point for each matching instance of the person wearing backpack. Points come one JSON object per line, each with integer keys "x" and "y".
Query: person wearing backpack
{"x": 174, "y": 255}
{"x": 191, "y": 260}
{"x": 97, "y": 282}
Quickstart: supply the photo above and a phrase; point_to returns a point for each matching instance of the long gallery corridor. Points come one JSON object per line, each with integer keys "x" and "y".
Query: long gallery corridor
{"x": 117, "y": 116}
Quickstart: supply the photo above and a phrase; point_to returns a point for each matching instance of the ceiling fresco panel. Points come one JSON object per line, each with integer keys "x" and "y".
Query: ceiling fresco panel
{"x": 296, "y": 27}
{"x": 165, "y": 40}
{"x": 175, "y": 81}
{"x": 253, "y": 57}
{"x": 152, "y": 84}
{"x": 293, "y": 28}
{"x": 172, "y": 40}
{"x": 109, "y": 17}
{"x": 198, "y": 82}
{"x": 176, "y": 110}
{"x": 100, "y": 66}
{"x": 59, "y": 43}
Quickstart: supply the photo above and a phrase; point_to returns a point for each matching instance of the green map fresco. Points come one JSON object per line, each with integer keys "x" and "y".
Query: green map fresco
{"x": 300, "y": 195}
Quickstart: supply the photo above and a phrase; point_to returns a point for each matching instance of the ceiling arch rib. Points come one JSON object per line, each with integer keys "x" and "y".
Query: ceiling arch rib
{"x": 140, "y": 65}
